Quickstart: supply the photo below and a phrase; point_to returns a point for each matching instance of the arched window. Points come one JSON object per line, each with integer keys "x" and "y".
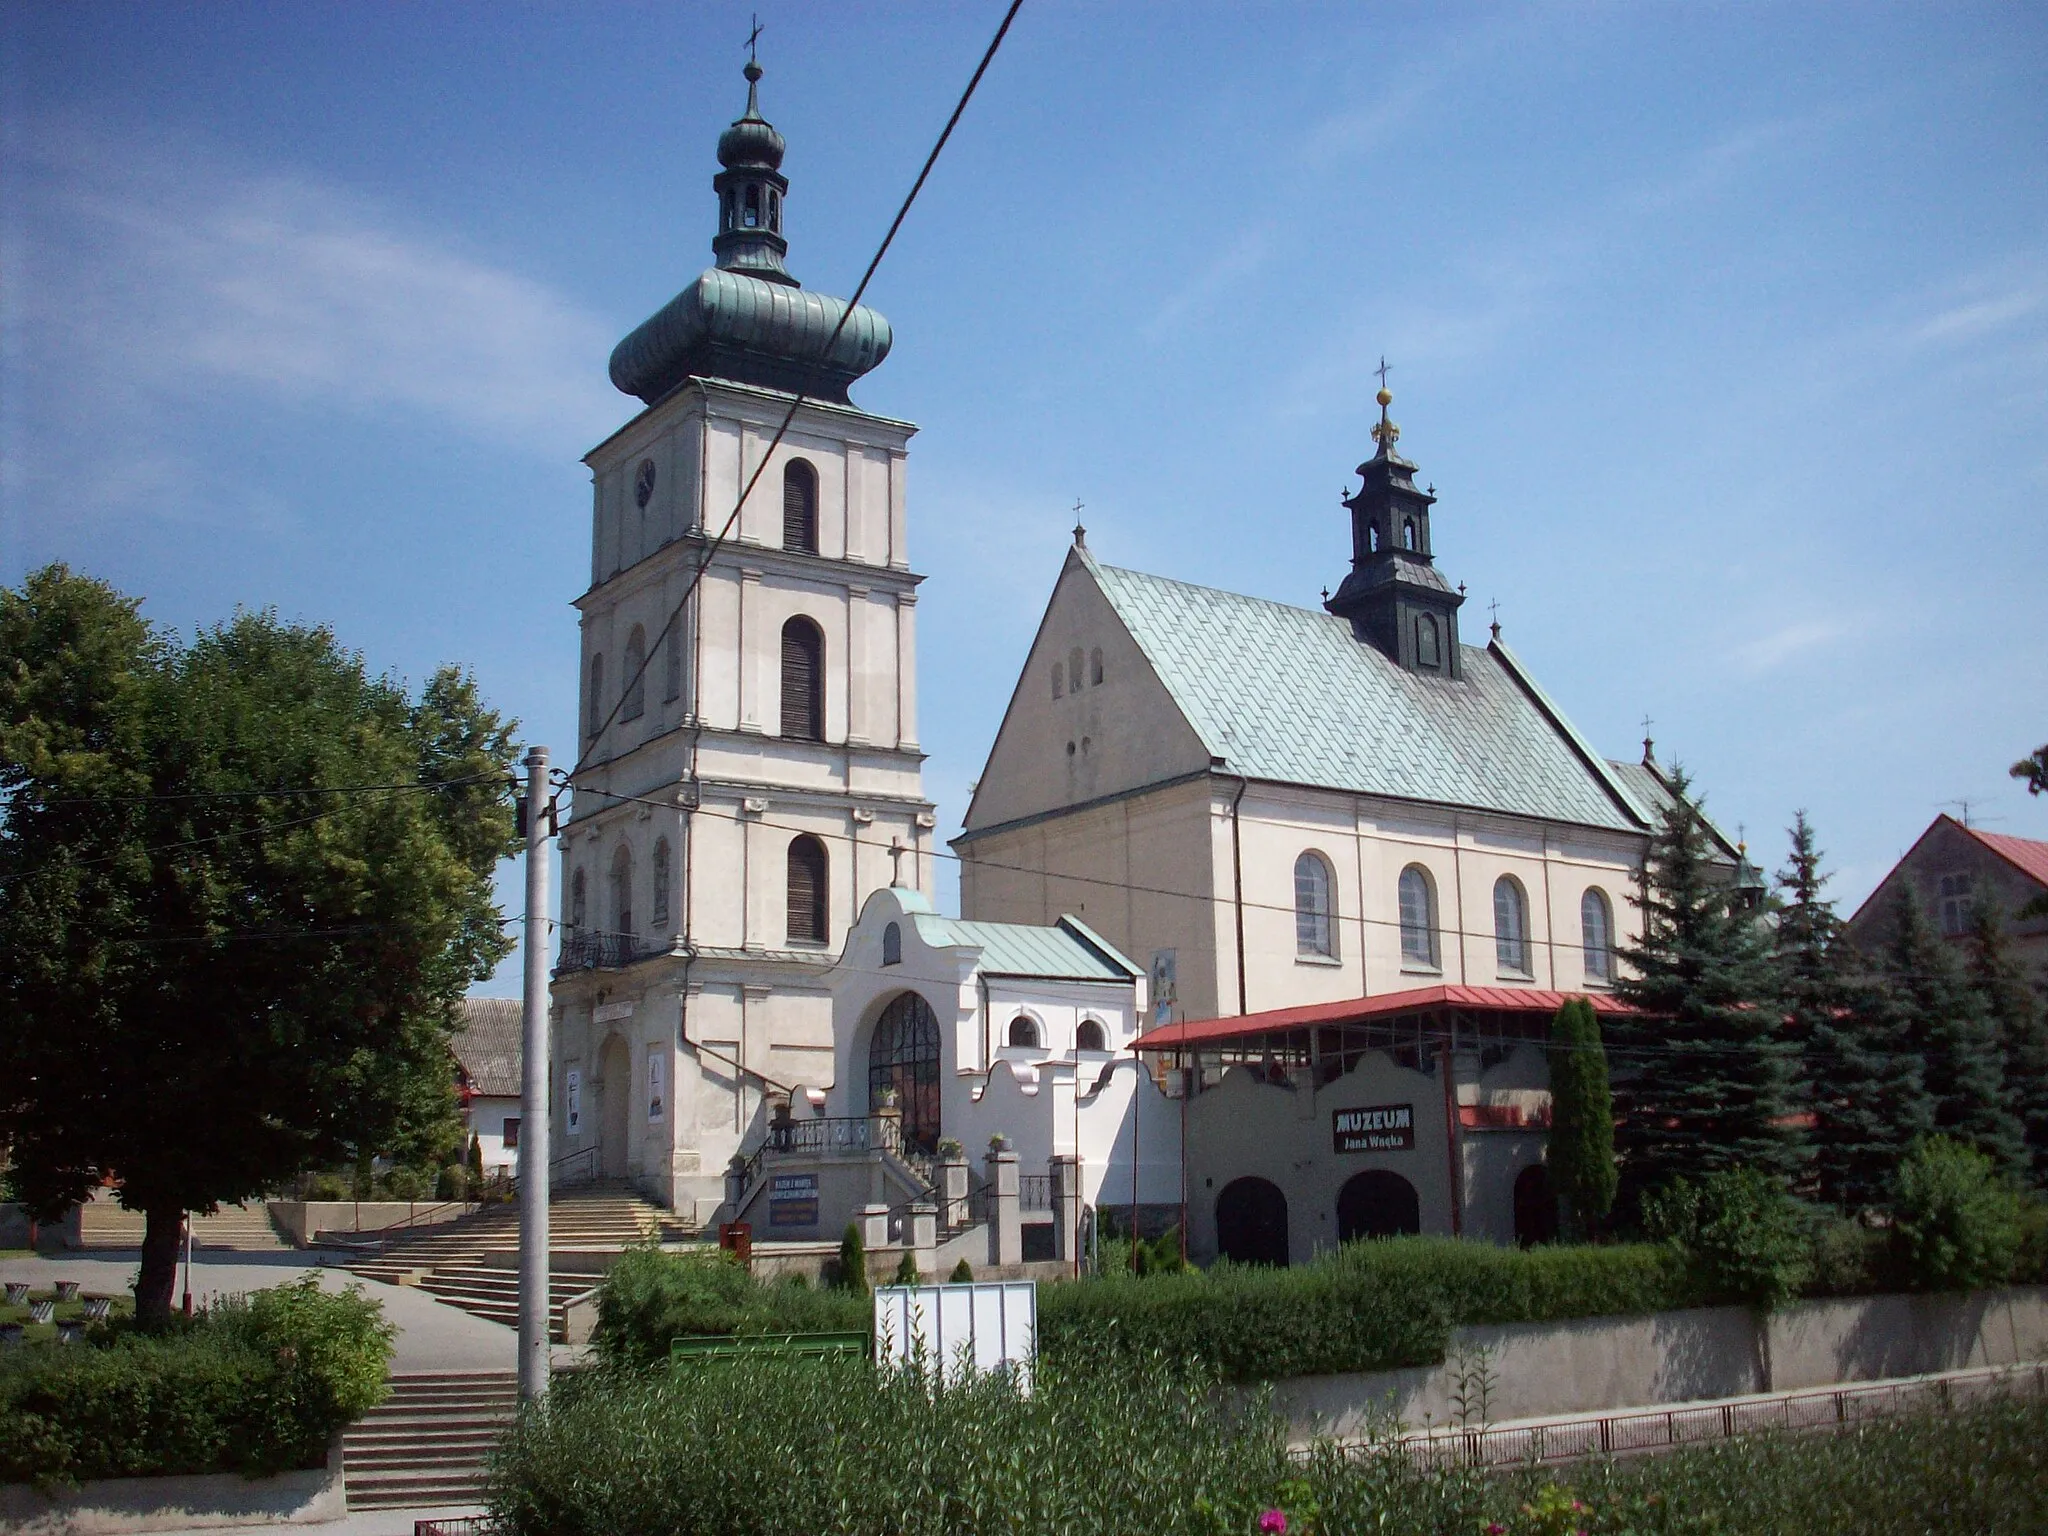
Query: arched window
{"x": 1418, "y": 918}
{"x": 1095, "y": 667}
{"x": 725, "y": 210}
{"x": 807, "y": 890}
{"x": 1312, "y": 929}
{"x": 1377, "y": 1203}
{"x": 1251, "y": 1222}
{"x": 1428, "y": 650}
{"x": 775, "y": 210}
{"x": 579, "y": 903}
{"x": 672, "y": 680}
{"x": 1023, "y": 1031}
{"x": 1596, "y": 934}
{"x": 903, "y": 1058}
{"x": 800, "y": 506}
{"x": 1091, "y": 1036}
{"x": 892, "y": 944}
{"x": 1372, "y": 538}
{"x": 803, "y": 680}
{"x": 660, "y": 876}
{"x": 636, "y": 675}
{"x": 1074, "y": 673}
{"x": 1408, "y": 533}
{"x": 752, "y": 216}
{"x": 596, "y": 695}
{"x": 1510, "y": 927}
{"x": 1059, "y": 678}
{"x": 622, "y": 890}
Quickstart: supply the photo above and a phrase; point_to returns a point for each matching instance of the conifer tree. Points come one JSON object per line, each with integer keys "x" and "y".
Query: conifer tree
{"x": 2022, "y": 1029}
{"x": 1946, "y": 1025}
{"x": 1861, "y": 1081}
{"x": 1581, "y": 1119}
{"x": 1704, "y": 1079}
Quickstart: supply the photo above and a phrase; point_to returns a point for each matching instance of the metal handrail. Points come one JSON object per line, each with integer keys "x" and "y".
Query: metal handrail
{"x": 1034, "y": 1192}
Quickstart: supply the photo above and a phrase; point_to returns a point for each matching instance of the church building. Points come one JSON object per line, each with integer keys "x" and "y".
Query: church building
{"x": 750, "y": 761}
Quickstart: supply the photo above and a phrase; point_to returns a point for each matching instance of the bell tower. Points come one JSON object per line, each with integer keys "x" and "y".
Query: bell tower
{"x": 1394, "y": 596}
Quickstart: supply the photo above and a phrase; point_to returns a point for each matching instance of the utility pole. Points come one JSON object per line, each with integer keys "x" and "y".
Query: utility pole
{"x": 533, "y": 1100}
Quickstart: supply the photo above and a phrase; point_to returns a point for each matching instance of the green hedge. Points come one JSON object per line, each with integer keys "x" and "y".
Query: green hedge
{"x": 1367, "y": 1307}
{"x": 651, "y": 1297}
{"x": 255, "y": 1385}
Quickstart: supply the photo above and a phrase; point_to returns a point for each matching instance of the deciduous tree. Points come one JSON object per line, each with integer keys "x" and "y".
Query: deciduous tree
{"x": 243, "y": 884}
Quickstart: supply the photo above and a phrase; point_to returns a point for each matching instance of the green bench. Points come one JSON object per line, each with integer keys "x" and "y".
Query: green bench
{"x": 800, "y": 1345}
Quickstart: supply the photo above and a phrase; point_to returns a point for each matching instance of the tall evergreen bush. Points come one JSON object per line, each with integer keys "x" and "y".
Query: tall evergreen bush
{"x": 1704, "y": 1078}
{"x": 1862, "y": 1082}
{"x": 2018, "y": 1019}
{"x": 1581, "y": 1119}
{"x": 1946, "y": 1025}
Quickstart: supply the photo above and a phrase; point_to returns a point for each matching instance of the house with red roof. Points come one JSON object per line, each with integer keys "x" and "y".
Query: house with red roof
{"x": 1951, "y": 868}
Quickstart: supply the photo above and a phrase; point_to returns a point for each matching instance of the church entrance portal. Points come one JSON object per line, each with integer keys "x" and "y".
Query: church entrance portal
{"x": 903, "y": 1054}
{"x": 1377, "y": 1203}
{"x": 615, "y": 1084}
{"x": 1535, "y": 1206}
{"x": 1251, "y": 1222}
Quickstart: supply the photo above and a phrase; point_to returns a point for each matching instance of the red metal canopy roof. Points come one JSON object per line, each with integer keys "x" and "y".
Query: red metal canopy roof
{"x": 2023, "y": 853}
{"x": 1355, "y": 1010}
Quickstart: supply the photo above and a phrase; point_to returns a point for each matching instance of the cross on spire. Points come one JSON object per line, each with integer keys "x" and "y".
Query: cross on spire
{"x": 1383, "y": 370}
{"x": 1649, "y": 746}
{"x": 1080, "y": 533}
{"x": 754, "y": 37}
{"x": 1493, "y": 607}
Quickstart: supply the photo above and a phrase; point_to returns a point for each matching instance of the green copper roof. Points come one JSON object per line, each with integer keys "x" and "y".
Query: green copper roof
{"x": 1290, "y": 695}
{"x": 1069, "y": 951}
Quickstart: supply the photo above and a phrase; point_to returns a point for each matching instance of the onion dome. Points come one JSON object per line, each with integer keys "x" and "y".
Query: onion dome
{"x": 747, "y": 319}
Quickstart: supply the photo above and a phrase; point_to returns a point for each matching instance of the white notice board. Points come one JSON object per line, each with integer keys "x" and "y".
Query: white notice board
{"x": 984, "y": 1326}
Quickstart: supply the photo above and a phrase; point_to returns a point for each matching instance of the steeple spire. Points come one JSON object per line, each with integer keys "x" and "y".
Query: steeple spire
{"x": 750, "y": 190}
{"x": 1394, "y": 596}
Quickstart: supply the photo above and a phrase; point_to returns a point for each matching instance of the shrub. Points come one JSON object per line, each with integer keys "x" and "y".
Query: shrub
{"x": 1369, "y": 1306}
{"x": 1850, "y": 1259}
{"x": 906, "y": 1270}
{"x": 1747, "y": 1239}
{"x": 1958, "y": 1225}
{"x": 649, "y": 1298}
{"x": 255, "y": 1385}
{"x": 963, "y": 1273}
{"x": 853, "y": 1260}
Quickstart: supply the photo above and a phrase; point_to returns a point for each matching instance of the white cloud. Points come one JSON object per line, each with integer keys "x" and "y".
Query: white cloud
{"x": 163, "y": 281}
{"x": 1772, "y": 650}
{"x": 1984, "y": 317}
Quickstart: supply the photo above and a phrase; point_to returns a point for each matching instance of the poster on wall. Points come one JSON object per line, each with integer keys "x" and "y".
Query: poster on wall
{"x": 1165, "y": 973}
{"x": 793, "y": 1200}
{"x": 657, "y": 1106}
{"x": 1376, "y": 1128}
{"x": 575, "y": 1101}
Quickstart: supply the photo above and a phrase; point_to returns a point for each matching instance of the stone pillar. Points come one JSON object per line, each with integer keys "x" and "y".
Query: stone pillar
{"x": 874, "y": 1226}
{"x": 885, "y": 1134}
{"x": 924, "y": 1236}
{"x": 1066, "y": 1205}
{"x": 1005, "y": 1225}
{"x": 953, "y": 1208}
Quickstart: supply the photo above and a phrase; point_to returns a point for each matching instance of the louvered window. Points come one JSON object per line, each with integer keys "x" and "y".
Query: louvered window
{"x": 800, "y": 507}
{"x": 803, "y": 681}
{"x": 635, "y": 702}
{"x": 807, "y": 882}
{"x": 672, "y": 684}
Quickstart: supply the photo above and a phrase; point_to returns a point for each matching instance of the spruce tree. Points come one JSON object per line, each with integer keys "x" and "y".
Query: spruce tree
{"x": 1946, "y": 1025}
{"x": 1704, "y": 1077}
{"x": 1581, "y": 1119}
{"x": 1861, "y": 1082}
{"x": 2000, "y": 982}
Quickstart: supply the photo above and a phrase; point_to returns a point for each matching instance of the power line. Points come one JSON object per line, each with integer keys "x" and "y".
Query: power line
{"x": 725, "y": 532}
{"x": 259, "y": 794}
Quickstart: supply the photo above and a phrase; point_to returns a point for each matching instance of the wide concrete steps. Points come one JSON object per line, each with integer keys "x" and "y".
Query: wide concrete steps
{"x": 430, "y": 1442}
{"x": 242, "y": 1228}
{"x": 493, "y": 1294}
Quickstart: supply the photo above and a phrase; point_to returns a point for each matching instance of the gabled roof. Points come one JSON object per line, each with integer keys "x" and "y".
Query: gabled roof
{"x": 1289, "y": 695}
{"x": 1647, "y": 785}
{"x": 2030, "y": 858}
{"x": 1068, "y": 951}
{"x": 489, "y": 1046}
{"x": 1355, "y": 1010}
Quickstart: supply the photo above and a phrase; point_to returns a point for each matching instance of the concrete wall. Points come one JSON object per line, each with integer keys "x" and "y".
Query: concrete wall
{"x": 1594, "y": 1364}
{"x": 300, "y": 1219}
{"x": 119, "y": 1506}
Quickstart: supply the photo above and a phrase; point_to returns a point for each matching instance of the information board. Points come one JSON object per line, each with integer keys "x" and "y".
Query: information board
{"x": 1375, "y": 1128}
{"x": 793, "y": 1200}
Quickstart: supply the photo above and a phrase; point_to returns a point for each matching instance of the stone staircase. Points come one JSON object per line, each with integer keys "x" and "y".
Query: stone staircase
{"x": 468, "y": 1262}
{"x": 430, "y": 1441}
{"x": 243, "y": 1228}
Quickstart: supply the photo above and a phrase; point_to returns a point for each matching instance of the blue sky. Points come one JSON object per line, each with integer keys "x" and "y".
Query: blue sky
{"x": 1722, "y": 332}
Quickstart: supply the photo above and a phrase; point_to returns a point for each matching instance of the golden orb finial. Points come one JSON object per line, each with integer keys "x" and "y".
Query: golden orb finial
{"x": 1385, "y": 396}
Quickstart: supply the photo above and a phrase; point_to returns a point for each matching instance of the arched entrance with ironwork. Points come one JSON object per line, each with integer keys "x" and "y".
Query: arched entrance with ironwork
{"x": 903, "y": 1054}
{"x": 615, "y": 1092}
{"x": 1377, "y": 1203}
{"x": 1251, "y": 1222}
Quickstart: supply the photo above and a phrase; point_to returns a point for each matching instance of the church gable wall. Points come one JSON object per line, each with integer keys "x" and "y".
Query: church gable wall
{"x": 1100, "y": 739}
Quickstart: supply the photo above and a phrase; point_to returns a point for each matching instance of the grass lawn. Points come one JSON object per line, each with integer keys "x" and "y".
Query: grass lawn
{"x": 66, "y": 1312}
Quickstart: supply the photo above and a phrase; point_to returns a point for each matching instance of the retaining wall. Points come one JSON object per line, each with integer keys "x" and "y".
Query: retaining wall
{"x": 119, "y": 1506}
{"x": 1531, "y": 1370}
{"x": 301, "y": 1219}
